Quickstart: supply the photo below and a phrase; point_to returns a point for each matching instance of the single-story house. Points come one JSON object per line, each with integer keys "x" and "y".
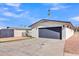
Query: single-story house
{"x": 52, "y": 29}
{"x": 42, "y": 29}
{"x": 12, "y": 32}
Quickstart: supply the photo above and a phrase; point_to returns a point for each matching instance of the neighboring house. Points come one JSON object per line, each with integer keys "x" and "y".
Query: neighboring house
{"x": 77, "y": 29}
{"x": 12, "y": 32}
{"x": 52, "y": 29}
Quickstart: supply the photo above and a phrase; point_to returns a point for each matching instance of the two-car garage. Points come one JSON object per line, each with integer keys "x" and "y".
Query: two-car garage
{"x": 51, "y": 32}
{"x": 52, "y": 29}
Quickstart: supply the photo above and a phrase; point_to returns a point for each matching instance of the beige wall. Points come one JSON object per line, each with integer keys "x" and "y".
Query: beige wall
{"x": 18, "y": 33}
{"x": 47, "y": 24}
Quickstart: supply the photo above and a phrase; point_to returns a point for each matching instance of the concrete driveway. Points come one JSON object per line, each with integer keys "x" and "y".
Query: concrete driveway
{"x": 33, "y": 47}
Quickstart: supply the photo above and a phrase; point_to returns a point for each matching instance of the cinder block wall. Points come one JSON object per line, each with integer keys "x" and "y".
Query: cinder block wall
{"x": 6, "y": 33}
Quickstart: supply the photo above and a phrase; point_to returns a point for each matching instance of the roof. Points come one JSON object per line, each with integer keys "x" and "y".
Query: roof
{"x": 19, "y": 28}
{"x": 44, "y": 20}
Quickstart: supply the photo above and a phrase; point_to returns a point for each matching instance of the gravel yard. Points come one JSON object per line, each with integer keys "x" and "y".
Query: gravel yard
{"x": 33, "y": 47}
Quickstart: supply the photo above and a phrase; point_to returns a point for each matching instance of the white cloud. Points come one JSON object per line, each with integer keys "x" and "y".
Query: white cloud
{"x": 75, "y": 18}
{"x": 17, "y": 5}
{"x": 58, "y": 7}
{"x": 12, "y": 14}
{"x": 8, "y": 14}
{"x": 19, "y": 10}
{"x": 6, "y": 10}
{"x": 3, "y": 9}
{"x": 24, "y": 13}
{"x": 55, "y": 6}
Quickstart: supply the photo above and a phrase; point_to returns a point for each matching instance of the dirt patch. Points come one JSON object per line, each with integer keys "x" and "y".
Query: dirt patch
{"x": 70, "y": 54}
{"x": 10, "y": 39}
{"x": 72, "y": 44}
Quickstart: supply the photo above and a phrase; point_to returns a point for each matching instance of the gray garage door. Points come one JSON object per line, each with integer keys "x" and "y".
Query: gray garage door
{"x": 51, "y": 32}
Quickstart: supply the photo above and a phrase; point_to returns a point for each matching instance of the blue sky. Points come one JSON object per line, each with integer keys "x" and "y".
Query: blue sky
{"x": 24, "y": 14}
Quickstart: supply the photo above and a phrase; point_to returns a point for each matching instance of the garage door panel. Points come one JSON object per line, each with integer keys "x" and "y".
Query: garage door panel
{"x": 45, "y": 33}
{"x": 50, "y": 33}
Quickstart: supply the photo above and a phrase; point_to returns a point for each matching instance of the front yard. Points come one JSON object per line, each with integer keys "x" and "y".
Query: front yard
{"x": 33, "y": 47}
{"x": 10, "y": 39}
{"x": 39, "y": 47}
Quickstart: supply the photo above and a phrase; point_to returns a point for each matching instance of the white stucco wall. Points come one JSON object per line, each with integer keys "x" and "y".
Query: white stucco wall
{"x": 63, "y": 33}
{"x": 67, "y": 33}
{"x": 34, "y": 32}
